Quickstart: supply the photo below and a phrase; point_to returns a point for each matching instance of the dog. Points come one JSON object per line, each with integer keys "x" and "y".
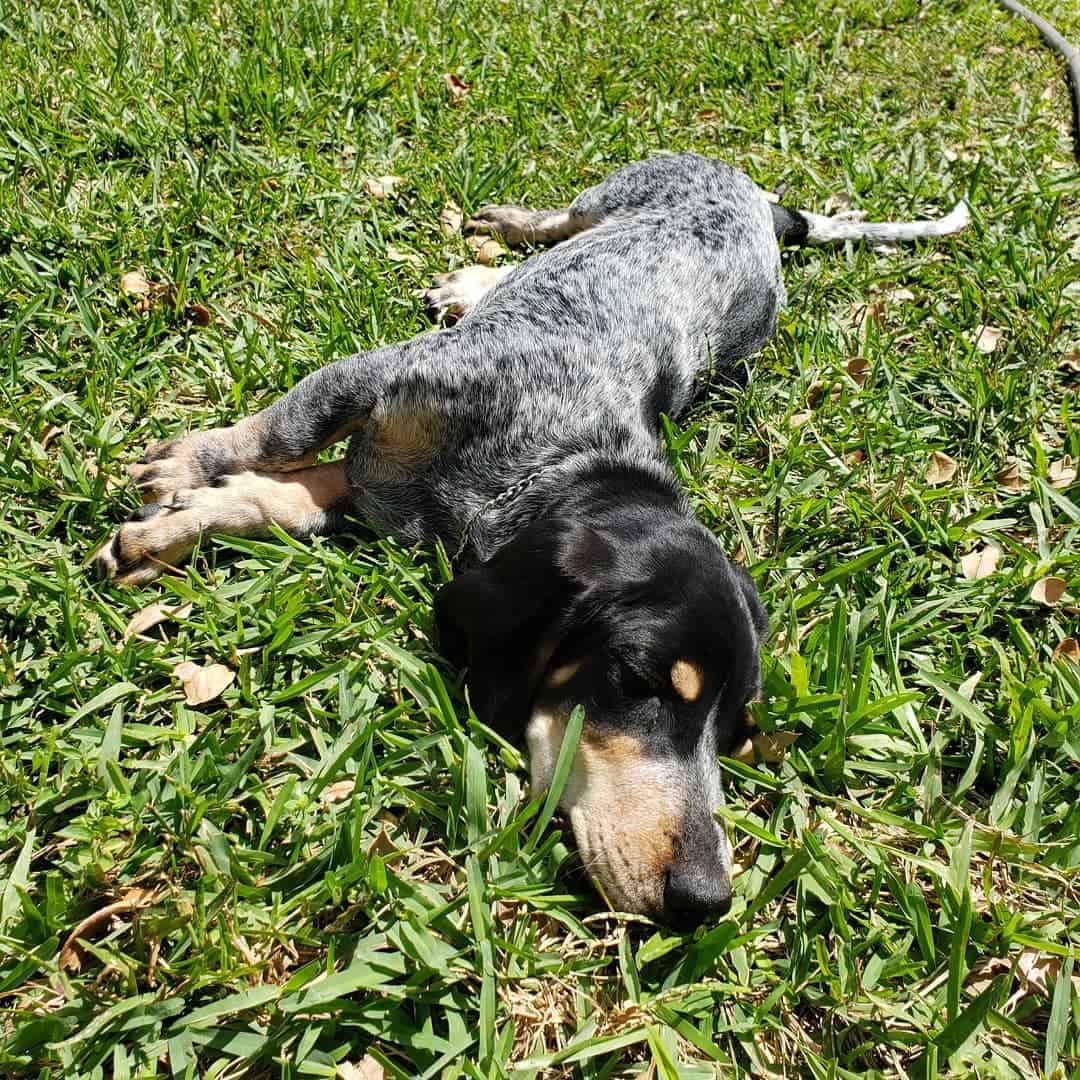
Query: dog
{"x": 526, "y": 438}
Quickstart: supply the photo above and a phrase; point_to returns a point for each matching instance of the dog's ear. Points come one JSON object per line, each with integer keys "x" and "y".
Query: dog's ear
{"x": 758, "y": 617}
{"x": 505, "y": 618}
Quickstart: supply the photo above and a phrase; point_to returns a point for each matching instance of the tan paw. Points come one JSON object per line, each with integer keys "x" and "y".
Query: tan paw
{"x": 153, "y": 541}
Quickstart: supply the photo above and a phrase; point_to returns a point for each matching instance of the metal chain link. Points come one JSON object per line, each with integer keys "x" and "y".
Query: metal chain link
{"x": 501, "y": 499}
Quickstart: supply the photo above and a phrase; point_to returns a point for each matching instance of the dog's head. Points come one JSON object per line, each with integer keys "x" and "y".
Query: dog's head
{"x": 633, "y": 612}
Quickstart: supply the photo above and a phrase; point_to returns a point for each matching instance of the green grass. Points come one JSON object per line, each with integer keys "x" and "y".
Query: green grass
{"x": 911, "y": 899}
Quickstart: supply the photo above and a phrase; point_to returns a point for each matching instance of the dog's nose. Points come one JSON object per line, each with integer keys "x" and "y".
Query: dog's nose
{"x": 693, "y": 895}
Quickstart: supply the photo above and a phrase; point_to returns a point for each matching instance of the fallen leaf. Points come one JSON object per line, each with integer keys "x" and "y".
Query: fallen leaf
{"x": 1070, "y": 362}
{"x": 450, "y": 219}
{"x": 134, "y": 283}
{"x": 981, "y": 563}
{"x": 771, "y": 746}
{"x": 457, "y": 88}
{"x": 382, "y": 845}
{"x": 339, "y": 791}
{"x": 986, "y": 338}
{"x": 1009, "y": 477}
{"x": 862, "y": 315}
{"x": 150, "y": 616}
{"x": 48, "y": 434}
{"x": 1069, "y": 649}
{"x": 940, "y": 469}
{"x": 814, "y": 393}
{"x": 1048, "y": 590}
{"x": 858, "y": 369}
{"x": 203, "y": 684}
{"x": 1038, "y": 973}
{"x": 379, "y": 187}
{"x": 900, "y": 296}
{"x": 837, "y": 203}
{"x": 199, "y": 314}
{"x": 983, "y": 973}
{"x": 98, "y": 923}
{"x": 367, "y": 1069}
{"x": 1061, "y": 473}
{"x": 796, "y": 420}
{"x": 485, "y": 249}
{"x": 399, "y": 256}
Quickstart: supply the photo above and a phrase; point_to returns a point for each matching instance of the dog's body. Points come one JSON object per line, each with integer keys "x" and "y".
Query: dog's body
{"x": 526, "y": 437}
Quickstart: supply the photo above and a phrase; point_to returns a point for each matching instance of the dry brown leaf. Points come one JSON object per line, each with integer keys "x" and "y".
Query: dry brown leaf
{"x": 858, "y": 368}
{"x": 862, "y": 315}
{"x": 382, "y": 845}
{"x": 981, "y": 563}
{"x": 379, "y": 187}
{"x": 837, "y": 203}
{"x": 940, "y": 469}
{"x": 367, "y": 1069}
{"x": 796, "y": 420}
{"x": 1061, "y": 473}
{"x": 339, "y": 791}
{"x": 456, "y": 87}
{"x": 771, "y": 746}
{"x": 814, "y": 393}
{"x": 150, "y": 616}
{"x": 399, "y": 256}
{"x": 1009, "y": 477}
{"x": 48, "y": 434}
{"x": 1038, "y": 972}
{"x": 199, "y": 314}
{"x": 485, "y": 249}
{"x": 1068, "y": 649}
{"x": 983, "y": 973}
{"x": 450, "y": 219}
{"x": 203, "y": 684}
{"x": 1048, "y": 590}
{"x": 98, "y": 923}
{"x": 134, "y": 283}
{"x": 900, "y": 296}
{"x": 1070, "y": 362}
{"x": 987, "y": 338}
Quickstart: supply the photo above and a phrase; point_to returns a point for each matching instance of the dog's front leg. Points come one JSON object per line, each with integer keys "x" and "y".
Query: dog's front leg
{"x": 306, "y": 502}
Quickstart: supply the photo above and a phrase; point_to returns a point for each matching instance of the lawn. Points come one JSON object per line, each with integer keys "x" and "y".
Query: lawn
{"x": 329, "y": 868}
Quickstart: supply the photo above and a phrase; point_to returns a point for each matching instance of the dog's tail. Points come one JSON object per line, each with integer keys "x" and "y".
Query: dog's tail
{"x": 802, "y": 227}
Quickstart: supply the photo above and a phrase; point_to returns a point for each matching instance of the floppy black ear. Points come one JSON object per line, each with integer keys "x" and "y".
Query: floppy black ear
{"x": 505, "y": 619}
{"x": 758, "y": 616}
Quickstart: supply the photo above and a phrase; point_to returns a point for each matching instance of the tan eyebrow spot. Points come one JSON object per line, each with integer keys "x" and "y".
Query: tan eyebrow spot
{"x": 687, "y": 679}
{"x": 561, "y": 675}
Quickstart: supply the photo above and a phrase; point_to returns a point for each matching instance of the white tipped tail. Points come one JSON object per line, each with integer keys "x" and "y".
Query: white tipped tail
{"x": 834, "y": 230}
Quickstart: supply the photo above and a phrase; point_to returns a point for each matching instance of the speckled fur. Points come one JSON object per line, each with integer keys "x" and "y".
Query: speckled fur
{"x": 569, "y": 359}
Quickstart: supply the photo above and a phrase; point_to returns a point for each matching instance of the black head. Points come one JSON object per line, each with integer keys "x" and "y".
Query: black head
{"x": 629, "y": 608}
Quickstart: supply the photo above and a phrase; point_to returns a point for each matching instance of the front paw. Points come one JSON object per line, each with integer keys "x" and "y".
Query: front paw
{"x": 144, "y": 548}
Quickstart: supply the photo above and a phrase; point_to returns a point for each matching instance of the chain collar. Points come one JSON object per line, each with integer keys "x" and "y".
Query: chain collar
{"x": 504, "y": 497}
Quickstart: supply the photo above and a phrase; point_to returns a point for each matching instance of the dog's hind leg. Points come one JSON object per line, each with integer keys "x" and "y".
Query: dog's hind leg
{"x": 159, "y": 535}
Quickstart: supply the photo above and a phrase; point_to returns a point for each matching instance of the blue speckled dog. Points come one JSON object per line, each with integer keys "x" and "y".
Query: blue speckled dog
{"x": 526, "y": 438}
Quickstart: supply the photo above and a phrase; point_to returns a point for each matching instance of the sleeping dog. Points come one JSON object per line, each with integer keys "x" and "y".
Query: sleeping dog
{"x": 526, "y": 438}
